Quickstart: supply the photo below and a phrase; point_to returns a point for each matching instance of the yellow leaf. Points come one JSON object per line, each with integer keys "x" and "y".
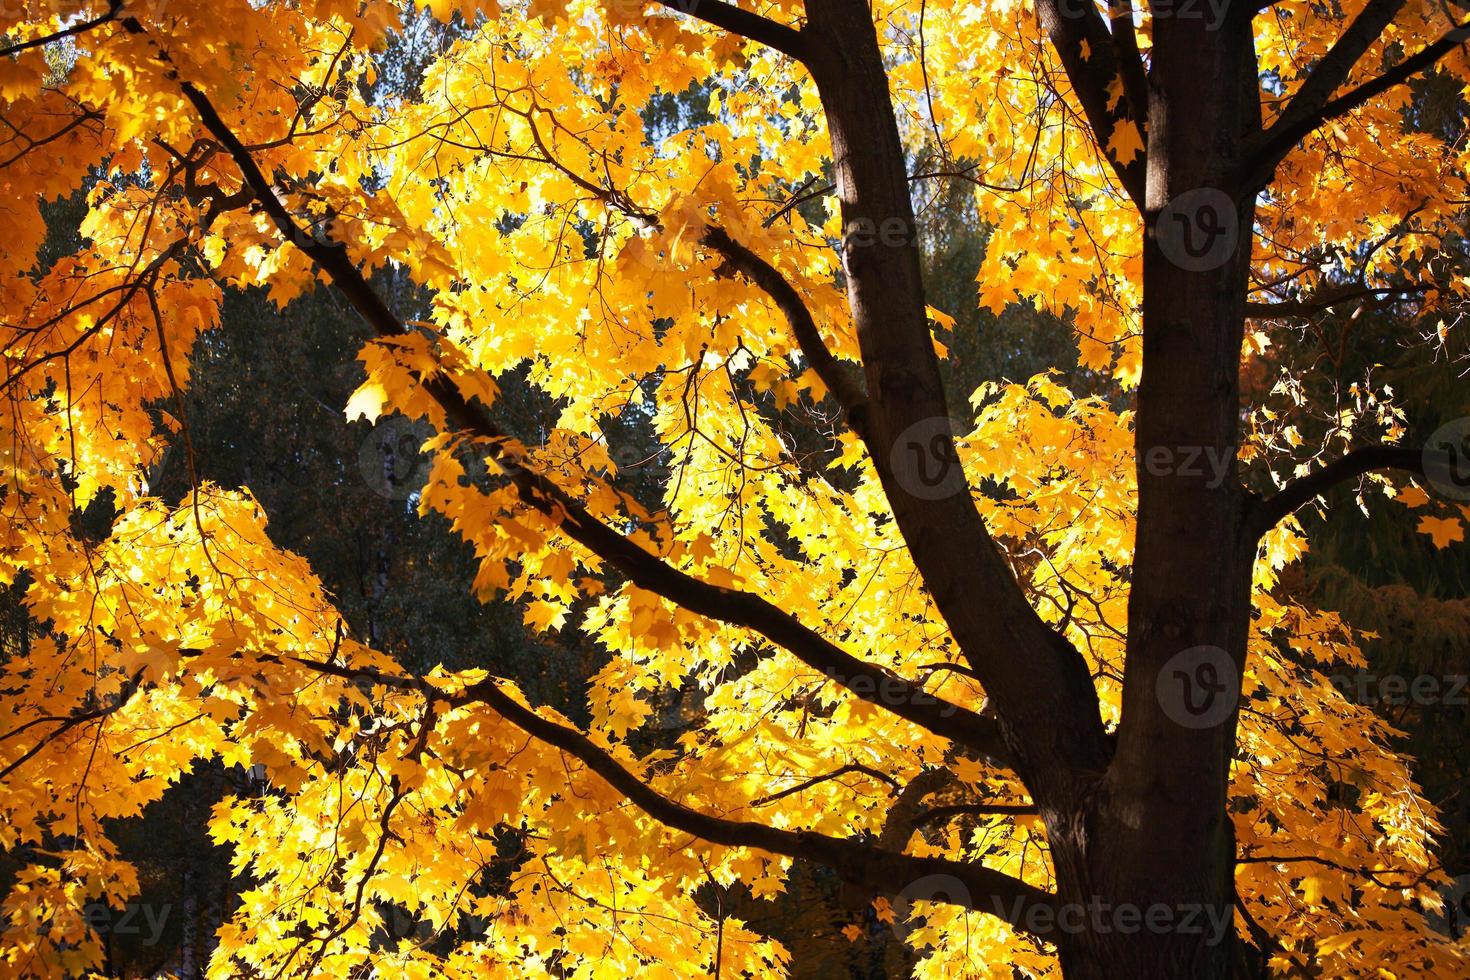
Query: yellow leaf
{"x": 969, "y": 770}
{"x": 940, "y": 317}
{"x": 1335, "y": 944}
{"x": 1411, "y": 496}
{"x": 544, "y": 616}
{"x": 767, "y": 886}
{"x": 1312, "y": 889}
{"x": 1126, "y": 142}
{"x": 367, "y": 402}
{"x": 1444, "y": 530}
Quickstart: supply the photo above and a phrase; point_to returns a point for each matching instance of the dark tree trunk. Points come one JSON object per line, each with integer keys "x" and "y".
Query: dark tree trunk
{"x": 189, "y": 959}
{"x": 1160, "y": 833}
{"x": 1051, "y": 721}
{"x": 1140, "y": 837}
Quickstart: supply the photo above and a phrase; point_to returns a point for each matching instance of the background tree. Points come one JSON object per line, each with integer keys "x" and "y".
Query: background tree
{"x": 1055, "y": 615}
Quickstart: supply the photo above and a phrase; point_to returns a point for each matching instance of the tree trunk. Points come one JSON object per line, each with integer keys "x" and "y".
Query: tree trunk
{"x": 189, "y": 937}
{"x": 1140, "y": 839}
{"x": 1049, "y": 711}
{"x": 1161, "y": 838}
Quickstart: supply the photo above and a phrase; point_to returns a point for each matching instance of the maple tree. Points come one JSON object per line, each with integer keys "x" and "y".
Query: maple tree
{"x": 1022, "y": 674}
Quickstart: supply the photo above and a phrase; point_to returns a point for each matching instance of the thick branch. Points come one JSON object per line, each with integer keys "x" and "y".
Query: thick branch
{"x": 645, "y": 570}
{"x": 1421, "y": 60}
{"x": 745, "y": 23}
{"x": 902, "y": 817}
{"x": 1337, "y": 64}
{"x": 1313, "y": 104}
{"x": 858, "y": 864}
{"x": 939, "y": 814}
{"x": 1125, "y": 46}
{"x": 1038, "y": 683}
{"x": 837, "y": 377}
{"x": 1269, "y": 512}
{"x": 862, "y": 865}
{"x": 908, "y": 813}
{"x": 1091, "y": 56}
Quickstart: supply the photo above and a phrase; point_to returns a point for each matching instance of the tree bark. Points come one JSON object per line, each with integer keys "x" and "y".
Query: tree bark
{"x": 1140, "y": 837}
{"x": 1161, "y": 834}
{"x": 1047, "y": 705}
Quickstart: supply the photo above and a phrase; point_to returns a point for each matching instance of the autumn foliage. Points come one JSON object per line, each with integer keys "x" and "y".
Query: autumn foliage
{"x": 787, "y": 675}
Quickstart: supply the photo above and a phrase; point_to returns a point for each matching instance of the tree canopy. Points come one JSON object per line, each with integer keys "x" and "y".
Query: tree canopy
{"x": 1014, "y": 660}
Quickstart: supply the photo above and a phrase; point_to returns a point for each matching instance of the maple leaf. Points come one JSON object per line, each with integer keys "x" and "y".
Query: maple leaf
{"x": 367, "y": 402}
{"x": 824, "y": 614}
{"x": 1411, "y": 496}
{"x": 1126, "y": 142}
{"x": 1444, "y": 531}
{"x": 543, "y": 616}
{"x": 969, "y": 770}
